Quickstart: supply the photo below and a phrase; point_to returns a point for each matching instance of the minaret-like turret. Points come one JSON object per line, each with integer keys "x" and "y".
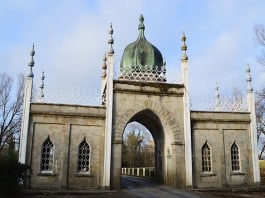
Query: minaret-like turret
{"x": 42, "y": 88}
{"x": 184, "y": 48}
{"x": 111, "y": 41}
{"x": 31, "y": 62}
{"x": 26, "y": 110}
{"x": 104, "y": 66}
{"x": 253, "y": 126}
{"x": 107, "y": 91}
{"x": 217, "y": 98}
{"x": 184, "y": 63}
{"x": 248, "y": 79}
{"x": 103, "y": 80}
{"x": 186, "y": 101}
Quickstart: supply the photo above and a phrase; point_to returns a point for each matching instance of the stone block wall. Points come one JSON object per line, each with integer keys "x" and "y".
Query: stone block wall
{"x": 66, "y": 126}
{"x": 220, "y": 130}
{"x": 159, "y": 107}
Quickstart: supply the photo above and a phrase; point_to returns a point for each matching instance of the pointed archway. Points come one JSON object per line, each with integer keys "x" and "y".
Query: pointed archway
{"x": 138, "y": 148}
{"x": 152, "y": 122}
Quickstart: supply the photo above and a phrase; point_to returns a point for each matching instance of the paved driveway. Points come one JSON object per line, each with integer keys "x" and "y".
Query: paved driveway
{"x": 134, "y": 187}
{"x": 139, "y": 187}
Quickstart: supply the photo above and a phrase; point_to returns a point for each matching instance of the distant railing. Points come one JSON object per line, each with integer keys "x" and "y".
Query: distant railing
{"x": 148, "y": 172}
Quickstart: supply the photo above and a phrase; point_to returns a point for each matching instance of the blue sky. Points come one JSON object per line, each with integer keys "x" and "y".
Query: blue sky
{"x": 71, "y": 37}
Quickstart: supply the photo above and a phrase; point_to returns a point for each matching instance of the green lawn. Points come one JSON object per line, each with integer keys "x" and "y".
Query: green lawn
{"x": 262, "y": 171}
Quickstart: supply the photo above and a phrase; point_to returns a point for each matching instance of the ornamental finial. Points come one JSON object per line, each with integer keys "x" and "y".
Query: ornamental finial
{"x": 141, "y": 24}
{"x": 104, "y": 65}
{"x": 163, "y": 69}
{"x": 248, "y": 79}
{"x": 31, "y": 62}
{"x": 42, "y": 87}
{"x": 217, "y": 98}
{"x": 184, "y": 48}
{"x": 111, "y": 41}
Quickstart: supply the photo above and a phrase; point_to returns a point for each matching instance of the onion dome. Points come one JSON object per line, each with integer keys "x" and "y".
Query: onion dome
{"x": 141, "y": 55}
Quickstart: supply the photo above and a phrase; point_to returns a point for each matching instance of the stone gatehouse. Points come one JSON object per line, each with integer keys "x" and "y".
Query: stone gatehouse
{"x": 79, "y": 146}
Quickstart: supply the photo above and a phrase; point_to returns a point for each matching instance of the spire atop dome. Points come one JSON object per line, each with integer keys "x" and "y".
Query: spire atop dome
{"x": 141, "y": 26}
{"x": 141, "y": 55}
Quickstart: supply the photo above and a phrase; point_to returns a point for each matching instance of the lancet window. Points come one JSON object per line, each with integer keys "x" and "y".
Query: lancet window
{"x": 84, "y": 157}
{"x": 206, "y": 158}
{"x": 47, "y": 156}
{"x": 235, "y": 157}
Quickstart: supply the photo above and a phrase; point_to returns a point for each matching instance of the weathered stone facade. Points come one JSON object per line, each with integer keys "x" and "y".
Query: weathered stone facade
{"x": 80, "y": 147}
{"x": 159, "y": 107}
{"x": 220, "y": 130}
{"x": 66, "y": 127}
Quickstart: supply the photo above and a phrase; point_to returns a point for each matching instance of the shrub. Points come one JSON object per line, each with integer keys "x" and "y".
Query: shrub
{"x": 11, "y": 174}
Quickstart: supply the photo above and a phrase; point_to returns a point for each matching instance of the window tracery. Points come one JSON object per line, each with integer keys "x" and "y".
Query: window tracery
{"x": 47, "y": 155}
{"x": 84, "y": 157}
{"x": 206, "y": 158}
{"x": 235, "y": 157}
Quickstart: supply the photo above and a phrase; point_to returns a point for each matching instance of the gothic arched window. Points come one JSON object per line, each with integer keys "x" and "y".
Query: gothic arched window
{"x": 235, "y": 157}
{"x": 47, "y": 154}
{"x": 206, "y": 158}
{"x": 84, "y": 157}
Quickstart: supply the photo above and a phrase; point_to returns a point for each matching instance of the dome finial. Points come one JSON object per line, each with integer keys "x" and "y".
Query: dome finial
{"x": 111, "y": 41}
{"x": 184, "y": 48}
{"x": 141, "y": 20}
{"x": 141, "y": 26}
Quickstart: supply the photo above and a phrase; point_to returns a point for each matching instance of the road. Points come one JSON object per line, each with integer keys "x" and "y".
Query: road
{"x": 134, "y": 187}
{"x": 139, "y": 187}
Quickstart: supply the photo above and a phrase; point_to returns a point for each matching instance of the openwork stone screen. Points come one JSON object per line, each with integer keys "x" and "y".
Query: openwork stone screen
{"x": 226, "y": 103}
{"x": 83, "y": 157}
{"x": 206, "y": 158}
{"x": 47, "y": 153}
{"x": 142, "y": 74}
{"x": 78, "y": 96}
{"x": 235, "y": 158}
{"x": 147, "y": 74}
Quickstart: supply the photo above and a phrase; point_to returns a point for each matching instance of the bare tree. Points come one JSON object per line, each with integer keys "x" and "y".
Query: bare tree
{"x": 11, "y": 100}
{"x": 260, "y": 115}
{"x": 133, "y": 143}
{"x": 259, "y": 31}
{"x": 138, "y": 148}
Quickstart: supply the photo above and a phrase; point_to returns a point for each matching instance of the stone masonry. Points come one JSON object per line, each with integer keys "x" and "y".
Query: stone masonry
{"x": 66, "y": 126}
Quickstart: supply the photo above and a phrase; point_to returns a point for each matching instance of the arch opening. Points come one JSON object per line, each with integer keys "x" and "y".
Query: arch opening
{"x": 146, "y": 126}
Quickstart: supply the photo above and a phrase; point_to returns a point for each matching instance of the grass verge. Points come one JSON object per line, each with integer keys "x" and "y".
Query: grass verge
{"x": 262, "y": 171}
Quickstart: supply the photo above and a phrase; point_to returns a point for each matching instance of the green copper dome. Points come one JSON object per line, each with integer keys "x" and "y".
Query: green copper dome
{"x": 141, "y": 54}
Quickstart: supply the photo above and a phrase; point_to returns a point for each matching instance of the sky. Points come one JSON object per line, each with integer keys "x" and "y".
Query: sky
{"x": 71, "y": 36}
